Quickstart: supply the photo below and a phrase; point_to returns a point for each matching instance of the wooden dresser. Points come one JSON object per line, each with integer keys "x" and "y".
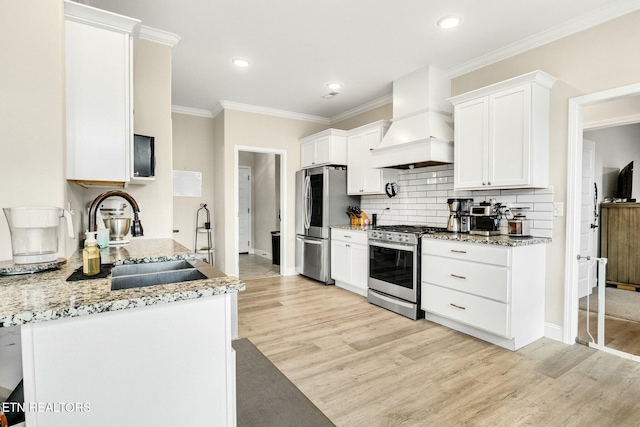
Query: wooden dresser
{"x": 620, "y": 242}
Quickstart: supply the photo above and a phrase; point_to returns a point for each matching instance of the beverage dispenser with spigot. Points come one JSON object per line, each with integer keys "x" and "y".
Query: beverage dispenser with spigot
{"x": 34, "y": 233}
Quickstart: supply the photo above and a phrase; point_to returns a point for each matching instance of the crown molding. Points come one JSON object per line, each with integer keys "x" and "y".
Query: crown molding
{"x": 191, "y": 111}
{"x": 217, "y": 109}
{"x": 99, "y": 18}
{"x": 563, "y": 30}
{"x": 229, "y": 105}
{"x": 160, "y": 36}
{"x": 387, "y": 99}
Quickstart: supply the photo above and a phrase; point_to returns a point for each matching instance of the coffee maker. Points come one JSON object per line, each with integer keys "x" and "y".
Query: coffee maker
{"x": 466, "y": 220}
{"x": 487, "y": 219}
{"x": 453, "y": 225}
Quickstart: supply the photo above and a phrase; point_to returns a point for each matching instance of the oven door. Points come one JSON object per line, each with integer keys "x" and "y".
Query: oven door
{"x": 393, "y": 270}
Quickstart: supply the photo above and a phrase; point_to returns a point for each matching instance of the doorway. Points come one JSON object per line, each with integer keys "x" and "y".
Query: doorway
{"x": 575, "y": 196}
{"x": 259, "y": 252}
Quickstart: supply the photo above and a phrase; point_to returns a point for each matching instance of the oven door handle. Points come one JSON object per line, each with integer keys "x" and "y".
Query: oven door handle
{"x": 406, "y": 248}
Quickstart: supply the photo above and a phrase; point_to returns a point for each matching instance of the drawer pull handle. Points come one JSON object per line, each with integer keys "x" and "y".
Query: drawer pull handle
{"x": 459, "y": 277}
{"x": 348, "y": 237}
{"x": 457, "y": 306}
{"x": 458, "y": 252}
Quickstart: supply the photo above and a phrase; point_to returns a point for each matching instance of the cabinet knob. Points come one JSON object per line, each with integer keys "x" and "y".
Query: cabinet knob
{"x": 489, "y": 183}
{"x": 484, "y": 183}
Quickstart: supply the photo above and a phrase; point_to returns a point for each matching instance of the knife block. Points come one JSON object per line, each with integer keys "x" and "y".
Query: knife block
{"x": 363, "y": 221}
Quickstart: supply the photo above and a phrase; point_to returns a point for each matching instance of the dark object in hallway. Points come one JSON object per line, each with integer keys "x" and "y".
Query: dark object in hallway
{"x": 265, "y": 397}
{"x": 275, "y": 247}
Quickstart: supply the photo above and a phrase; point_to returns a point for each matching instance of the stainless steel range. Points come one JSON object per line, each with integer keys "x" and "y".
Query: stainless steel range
{"x": 394, "y": 267}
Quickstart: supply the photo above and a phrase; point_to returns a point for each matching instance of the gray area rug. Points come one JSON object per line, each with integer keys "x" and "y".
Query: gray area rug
{"x": 618, "y": 303}
{"x": 265, "y": 397}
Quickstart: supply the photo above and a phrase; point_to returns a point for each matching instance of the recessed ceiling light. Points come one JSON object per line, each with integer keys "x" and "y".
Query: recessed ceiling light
{"x": 334, "y": 86}
{"x": 449, "y": 21}
{"x": 241, "y": 62}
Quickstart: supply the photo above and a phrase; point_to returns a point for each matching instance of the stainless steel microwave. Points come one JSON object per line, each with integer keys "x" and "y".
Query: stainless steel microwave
{"x": 144, "y": 158}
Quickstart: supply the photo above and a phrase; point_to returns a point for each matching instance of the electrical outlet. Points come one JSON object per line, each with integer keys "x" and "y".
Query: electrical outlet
{"x": 558, "y": 209}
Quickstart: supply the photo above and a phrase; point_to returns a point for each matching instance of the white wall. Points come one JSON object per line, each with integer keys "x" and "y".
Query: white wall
{"x": 241, "y": 128}
{"x": 615, "y": 148}
{"x": 193, "y": 151}
{"x": 32, "y": 89}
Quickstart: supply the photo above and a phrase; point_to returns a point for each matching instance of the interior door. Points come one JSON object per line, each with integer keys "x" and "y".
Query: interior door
{"x": 244, "y": 209}
{"x": 588, "y": 220}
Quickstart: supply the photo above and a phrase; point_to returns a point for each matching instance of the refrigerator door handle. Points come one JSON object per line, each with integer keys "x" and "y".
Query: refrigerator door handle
{"x": 311, "y": 242}
{"x": 307, "y": 202}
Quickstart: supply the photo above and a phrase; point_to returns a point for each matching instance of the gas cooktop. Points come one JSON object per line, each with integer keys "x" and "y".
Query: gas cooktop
{"x": 411, "y": 229}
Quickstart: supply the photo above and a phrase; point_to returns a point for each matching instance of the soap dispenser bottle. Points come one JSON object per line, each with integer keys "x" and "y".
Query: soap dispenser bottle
{"x": 90, "y": 255}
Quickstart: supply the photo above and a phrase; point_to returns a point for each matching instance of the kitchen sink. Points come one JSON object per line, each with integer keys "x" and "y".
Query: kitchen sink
{"x": 150, "y": 267}
{"x": 154, "y": 273}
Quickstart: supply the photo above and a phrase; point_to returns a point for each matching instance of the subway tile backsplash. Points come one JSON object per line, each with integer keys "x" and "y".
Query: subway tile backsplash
{"x": 423, "y": 193}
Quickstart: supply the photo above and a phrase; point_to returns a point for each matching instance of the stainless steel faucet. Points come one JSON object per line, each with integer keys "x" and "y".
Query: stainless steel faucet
{"x": 136, "y": 226}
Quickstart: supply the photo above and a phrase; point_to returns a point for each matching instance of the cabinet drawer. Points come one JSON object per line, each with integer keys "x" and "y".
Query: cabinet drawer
{"x": 358, "y": 237}
{"x": 475, "y": 311}
{"x": 490, "y": 254}
{"x": 485, "y": 280}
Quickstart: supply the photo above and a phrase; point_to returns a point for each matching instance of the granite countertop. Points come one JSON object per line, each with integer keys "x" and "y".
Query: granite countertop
{"x": 463, "y": 237}
{"x": 46, "y": 295}
{"x": 352, "y": 227}
{"x": 500, "y": 240}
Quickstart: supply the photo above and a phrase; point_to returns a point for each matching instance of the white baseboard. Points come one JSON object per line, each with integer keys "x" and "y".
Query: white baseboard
{"x": 288, "y": 271}
{"x": 555, "y": 332}
{"x": 260, "y": 252}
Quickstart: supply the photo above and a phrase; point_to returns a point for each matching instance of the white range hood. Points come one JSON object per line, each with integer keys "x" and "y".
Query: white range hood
{"x": 421, "y": 133}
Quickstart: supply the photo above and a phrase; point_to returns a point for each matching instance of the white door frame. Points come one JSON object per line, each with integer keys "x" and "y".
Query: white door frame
{"x": 284, "y": 200}
{"x": 249, "y": 248}
{"x": 574, "y": 169}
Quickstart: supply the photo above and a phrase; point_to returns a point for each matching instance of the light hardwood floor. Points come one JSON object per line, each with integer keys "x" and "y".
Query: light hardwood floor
{"x": 365, "y": 366}
{"x": 252, "y": 266}
{"x": 619, "y": 334}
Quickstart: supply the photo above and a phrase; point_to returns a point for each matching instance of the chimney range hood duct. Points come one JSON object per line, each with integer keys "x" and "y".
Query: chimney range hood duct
{"x": 421, "y": 133}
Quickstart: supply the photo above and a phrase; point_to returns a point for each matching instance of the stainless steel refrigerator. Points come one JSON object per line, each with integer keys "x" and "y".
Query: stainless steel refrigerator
{"x": 321, "y": 201}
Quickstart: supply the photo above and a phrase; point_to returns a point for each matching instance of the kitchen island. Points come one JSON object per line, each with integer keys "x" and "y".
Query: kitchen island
{"x": 159, "y": 355}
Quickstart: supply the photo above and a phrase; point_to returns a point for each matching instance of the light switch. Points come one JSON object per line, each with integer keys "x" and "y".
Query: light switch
{"x": 558, "y": 209}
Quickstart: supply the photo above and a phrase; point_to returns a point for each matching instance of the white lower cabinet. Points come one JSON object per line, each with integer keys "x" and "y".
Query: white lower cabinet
{"x": 349, "y": 260}
{"x": 495, "y": 293}
{"x": 133, "y": 364}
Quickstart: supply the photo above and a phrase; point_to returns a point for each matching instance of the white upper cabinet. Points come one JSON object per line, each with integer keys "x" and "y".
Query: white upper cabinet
{"x": 99, "y": 113}
{"x": 361, "y": 177}
{"x": 501, "y": 134}
{"x": 328, "y": 147}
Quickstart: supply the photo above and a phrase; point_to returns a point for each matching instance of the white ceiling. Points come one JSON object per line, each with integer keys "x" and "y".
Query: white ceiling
{"x": 298, "y": 46}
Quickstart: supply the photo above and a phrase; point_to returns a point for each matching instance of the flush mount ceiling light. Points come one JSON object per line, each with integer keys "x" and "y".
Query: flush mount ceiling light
{"x": 334, "y": 86}
{"x": 449, "y": 21}
{"x": 241, "y": 62}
